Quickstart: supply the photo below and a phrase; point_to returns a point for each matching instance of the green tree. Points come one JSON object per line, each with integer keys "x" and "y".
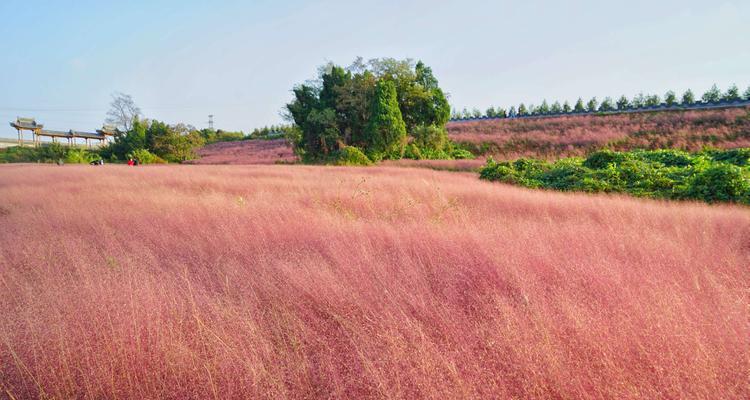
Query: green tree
{"x": 670, "y": 98}
{"x": 566, "y": 107}
{"x": 746, "y": 95}
{"x": 713, "y": 95}
{"x": 512, "y": 113}
{"x": 688, "y": 98}
{"x": 556, "y": 108}
{"x": 607, "y": 105}
{"x": 386, "y": 130}
{"x": 591, "y": 106}
{"x": 491, "y": 113}
{"x": 501, "y": 113}
{"x": 653, "y": 100}
{"x": 544, "y": 108}
{"x": 623, "y": 103}
{"x": 522, "y": 111}
{"x": 639, "y": 100}
{"x": 579, "y": 107}
{"x": 732, "y": 94}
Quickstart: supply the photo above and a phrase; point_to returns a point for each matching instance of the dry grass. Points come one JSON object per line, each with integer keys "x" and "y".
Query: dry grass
{"x": 304, "y": 282}
{"x": 576, "y": 135}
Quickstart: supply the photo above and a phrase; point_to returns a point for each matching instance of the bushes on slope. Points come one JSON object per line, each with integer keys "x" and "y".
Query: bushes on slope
{"x": 711, "y": 175}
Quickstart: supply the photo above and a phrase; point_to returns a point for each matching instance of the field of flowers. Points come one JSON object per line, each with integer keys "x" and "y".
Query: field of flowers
{"x": 246, "y": 152}
{"x": 557, "y": 137}
{"x": 304, "y": 282}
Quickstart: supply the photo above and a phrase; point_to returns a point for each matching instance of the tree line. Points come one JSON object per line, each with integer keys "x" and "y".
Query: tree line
{"x": 369, "y": 111}
{"x": 608, "y": 104}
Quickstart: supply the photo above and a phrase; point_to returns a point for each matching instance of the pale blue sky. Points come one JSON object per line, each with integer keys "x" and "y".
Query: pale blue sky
{"x": 238, "y": 60}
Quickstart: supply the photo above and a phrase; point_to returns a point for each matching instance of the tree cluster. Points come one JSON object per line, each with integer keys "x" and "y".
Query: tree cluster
{"x": 378, "y": 107}
{"x": 147, "y": 138}
{"x": 670, "y": 99}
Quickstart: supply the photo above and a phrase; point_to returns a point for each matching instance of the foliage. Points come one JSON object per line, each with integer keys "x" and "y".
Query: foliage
{"x": 172, "y": 143}
{"x": 370, "y": 105}
{"x": 385, "y": 134}
{"x": 710, "y": 176}
{"x": 46, "y": 153}
{"x": 145, "y": 157}
{"x": 350, "y": 155}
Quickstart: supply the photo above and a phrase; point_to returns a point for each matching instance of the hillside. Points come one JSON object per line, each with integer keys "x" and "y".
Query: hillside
{"x": 246, "y": 152}
{"x": 576, "y": 135}
{"x": 315, "y": 282}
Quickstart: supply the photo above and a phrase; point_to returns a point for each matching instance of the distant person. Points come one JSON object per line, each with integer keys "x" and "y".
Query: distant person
{"x": 101, "y": 161}
{"x": 95, "y": 162}
{"x": 136, "y": 162}
{"x": 131, "y": 162}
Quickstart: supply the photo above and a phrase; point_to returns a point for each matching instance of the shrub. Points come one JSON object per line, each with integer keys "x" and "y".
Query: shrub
{"x": 671, "y": 174}
{"x": 720, "y": 182}
{"x": 461, "y": 154}
{"x": 603, "y": 158}
{"x": 145, "y": 157}
{"x": 413, "y": 152}
{"x": 79, "y": 156}
{"x": 350, "y": 155}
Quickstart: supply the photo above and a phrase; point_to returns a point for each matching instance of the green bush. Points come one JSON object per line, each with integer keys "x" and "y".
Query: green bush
{"x": 711, "y": 176}
{"x": 461, "y": 154}
{"x": 145, "y": 157}
{"x": 79, "y": 156}
{"x": 720, "y": 182}
{"x": 350, "y": 155}
{"x": 413, "y": 152}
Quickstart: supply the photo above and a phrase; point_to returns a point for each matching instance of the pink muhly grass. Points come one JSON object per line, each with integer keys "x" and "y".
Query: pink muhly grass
{"x": 304, "y": 282}
{"x": 246, "y": 152}
{"x": 576, "y": 135}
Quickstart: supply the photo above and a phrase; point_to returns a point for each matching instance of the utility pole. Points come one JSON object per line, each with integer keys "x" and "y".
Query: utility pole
{"x": 211, "y": 121}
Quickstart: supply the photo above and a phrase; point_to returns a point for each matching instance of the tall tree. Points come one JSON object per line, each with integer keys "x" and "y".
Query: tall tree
{"x": 544, "y": 108}
{"x": 592, "y": 105}
{"x": 522, "y": 111}
{"x": 623, "y": 103}
{"x": 122, "y": 111}
{"x": 639, "y": 100}
{"x": 747, "y": 94}
{"x": 732, "y": 94}
{"x": 670, "y": 98}
{"x": 386, "y": 131}
{"x": 579, "y": 107}
{"x": 713, "y": 95}
{"x": 512, "y": 113}
{"x": 556, "y": 108}
{"x": 653, "y": 100}
{"x": 688, "y": 98}
{"x": 566, "y": 107}
{"x": 607, "y": 105}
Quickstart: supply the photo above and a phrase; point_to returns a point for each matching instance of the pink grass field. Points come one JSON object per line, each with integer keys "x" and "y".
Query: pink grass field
{"x": 576, "y": 135}
{"x": 246, "y": 152}
{"x": 183, "y": 282}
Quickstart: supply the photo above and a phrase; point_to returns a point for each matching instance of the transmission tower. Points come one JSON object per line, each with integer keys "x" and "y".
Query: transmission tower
{"x": 210, "y": 121}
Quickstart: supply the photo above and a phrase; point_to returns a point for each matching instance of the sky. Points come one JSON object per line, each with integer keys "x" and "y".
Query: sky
{"x": 60, "y": 61}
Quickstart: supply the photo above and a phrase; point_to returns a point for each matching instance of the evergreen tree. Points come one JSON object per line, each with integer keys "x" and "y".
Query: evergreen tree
{"x": 713, "y": 95}
{"x": 688, "y": 98}
{"x": 732, "y": 94}
{"x": 592, "y": 105}
{"x": 607, "y": 105}
{"x": 579, "y": 107}
{"x": 491, "y": 113}
{"x": 566, "y": 107}
{"x": 623, "y": 103}
{"x": 544, "y": 108}
{"x": 522, "y": 111}
{"x": 501, "y": 113}
{"x": 653, "y": 100}
{"x": 556, "y": 108}
{"x": 747, "y": 94}
{"x": 670, "y": 98}
{"x": 386, "y": 131}
{"x": 639, "y": 101}
{"x": 512, "y": 113}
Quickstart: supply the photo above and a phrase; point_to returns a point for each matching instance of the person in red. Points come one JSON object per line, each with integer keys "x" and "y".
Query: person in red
{"x": 131, "y": 162}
